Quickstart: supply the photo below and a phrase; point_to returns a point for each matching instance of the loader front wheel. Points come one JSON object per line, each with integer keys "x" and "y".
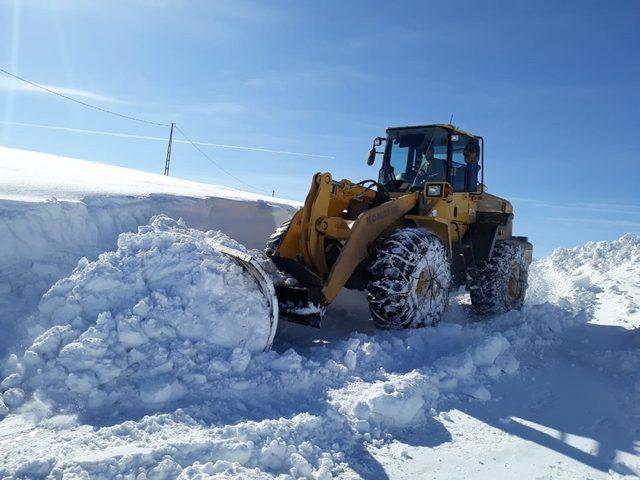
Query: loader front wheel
{"x": 275, "y": 239}
{"x": 410, "y": 279}
{"x": 502, "y": 281}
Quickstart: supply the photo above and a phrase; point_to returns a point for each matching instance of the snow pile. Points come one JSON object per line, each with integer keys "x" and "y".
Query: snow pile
{"x": 603, "y": 279}
{"x": 176, "y": 445}
{"x": 143, "y": 323}
{"x": 576, "y": 277}
{"x": 600, "y": 257}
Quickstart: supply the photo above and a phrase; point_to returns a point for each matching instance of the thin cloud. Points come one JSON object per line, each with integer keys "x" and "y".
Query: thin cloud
{"x": 530, "y": 201}
{"x": 619, "y": 207}
{"x": 597, "y": 221}
{"x": 161, "y": 139}
{"x": 12, "y": 85}
{"x": 609, "y": 206}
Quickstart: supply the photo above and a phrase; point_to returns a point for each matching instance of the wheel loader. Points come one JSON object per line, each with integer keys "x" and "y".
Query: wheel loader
{"x": 425, "y": 227}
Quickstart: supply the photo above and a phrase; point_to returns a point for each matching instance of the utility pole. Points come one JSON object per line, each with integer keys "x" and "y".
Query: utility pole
{"x": 166, "y": 164}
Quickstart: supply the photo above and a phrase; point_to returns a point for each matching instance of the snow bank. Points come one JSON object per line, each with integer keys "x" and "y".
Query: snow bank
{"x": 57, "y": 210}
{"x": 601, "y": 257}
{"x": 29, "y": 176}
{"x": 143, "y": 323}
{"x": 600, "y": 277}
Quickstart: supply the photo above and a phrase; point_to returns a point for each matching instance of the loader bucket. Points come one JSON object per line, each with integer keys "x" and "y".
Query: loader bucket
{"x": 301, "y": 305}
{"x": 253, "y": 268}
{"x": 304, "y": 302}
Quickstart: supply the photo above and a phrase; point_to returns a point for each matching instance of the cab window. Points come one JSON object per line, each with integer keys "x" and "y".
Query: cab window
{"x": 465, "y": 157}
{"x": 414, "y": 157}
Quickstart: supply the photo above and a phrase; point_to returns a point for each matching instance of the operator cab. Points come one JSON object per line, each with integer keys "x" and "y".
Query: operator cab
{"x": 415, "y": 156}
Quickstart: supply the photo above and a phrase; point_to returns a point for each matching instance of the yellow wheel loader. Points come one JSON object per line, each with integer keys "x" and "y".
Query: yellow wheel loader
{"x": 425, "y": 227}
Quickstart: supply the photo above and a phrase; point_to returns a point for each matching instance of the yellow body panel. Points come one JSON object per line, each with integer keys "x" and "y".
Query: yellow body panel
{"x": 366, "y": 229}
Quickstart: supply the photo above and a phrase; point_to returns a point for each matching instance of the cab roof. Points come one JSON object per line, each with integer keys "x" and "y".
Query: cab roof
{"x": 446, "y": 126}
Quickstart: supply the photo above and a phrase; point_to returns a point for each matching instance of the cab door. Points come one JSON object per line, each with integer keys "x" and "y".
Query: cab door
{"x": 464, "y": 157}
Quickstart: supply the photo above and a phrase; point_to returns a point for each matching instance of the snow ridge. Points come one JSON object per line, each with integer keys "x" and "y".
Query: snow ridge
{"x": 594, "y": 275}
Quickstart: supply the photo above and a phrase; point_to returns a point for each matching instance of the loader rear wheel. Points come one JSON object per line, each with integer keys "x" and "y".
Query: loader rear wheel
{"x": 502, "y": 281}
{"x": 276, "y": 238}
{"x": 410, "y": 279}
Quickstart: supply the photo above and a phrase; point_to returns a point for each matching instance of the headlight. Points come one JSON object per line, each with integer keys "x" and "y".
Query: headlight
{"x": 434, "y": 191}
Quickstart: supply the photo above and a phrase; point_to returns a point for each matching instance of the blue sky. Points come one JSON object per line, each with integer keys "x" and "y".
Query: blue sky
{"x": 554, "y": 87}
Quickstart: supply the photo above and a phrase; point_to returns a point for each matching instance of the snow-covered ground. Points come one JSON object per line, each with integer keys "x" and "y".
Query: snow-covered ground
{"x": 551, "y": 391}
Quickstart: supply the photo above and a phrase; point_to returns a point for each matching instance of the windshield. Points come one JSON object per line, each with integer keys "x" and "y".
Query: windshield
{"x": 414, "y": 157}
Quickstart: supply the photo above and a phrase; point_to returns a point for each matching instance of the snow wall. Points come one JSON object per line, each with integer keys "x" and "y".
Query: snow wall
{"x": 43, "y": 241}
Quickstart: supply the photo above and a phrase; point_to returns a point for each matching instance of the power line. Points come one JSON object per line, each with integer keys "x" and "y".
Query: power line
{"x": 266, "y": 150}
{"x": 197, "y": 147}
{"x": 88, "y": 105}
{"x": 126, "y": 135}
{"x": 160, "y": 139}
{"x": 128, "y": 117}
{"x": 85, "y": 131}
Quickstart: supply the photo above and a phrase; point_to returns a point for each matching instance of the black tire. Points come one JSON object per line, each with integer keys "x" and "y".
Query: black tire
{"x": 410, "y": 280}
{"x": 502, "y": 281}
{"x": 276, "y": 238}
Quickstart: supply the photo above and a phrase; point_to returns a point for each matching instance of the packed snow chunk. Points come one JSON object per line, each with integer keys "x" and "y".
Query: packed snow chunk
{"x": 13, "y": 380}
{"x": 395, "y": 403}
{"x": 161, "y": 391}
{"x": 485, "y": 354}
{"x": 289, "y": 361}
{"x": 301, "y": 467}
{"x": 13, "y": 397}
{"x": 144, "y": 323}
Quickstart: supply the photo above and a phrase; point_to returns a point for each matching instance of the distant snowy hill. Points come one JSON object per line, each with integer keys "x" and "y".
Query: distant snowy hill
{"x": 110, "y": 391}
{"x": 35, "y": 176}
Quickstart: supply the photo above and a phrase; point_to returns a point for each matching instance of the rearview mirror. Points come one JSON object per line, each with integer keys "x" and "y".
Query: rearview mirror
{"x": 372, "y": 156}
{"x": 372, "y": 153}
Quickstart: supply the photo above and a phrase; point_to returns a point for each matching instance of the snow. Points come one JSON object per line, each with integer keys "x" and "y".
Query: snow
{"x": 550, "y": 391}
{"x": 41, "y": 177}
{"x": 58, "y": 210}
